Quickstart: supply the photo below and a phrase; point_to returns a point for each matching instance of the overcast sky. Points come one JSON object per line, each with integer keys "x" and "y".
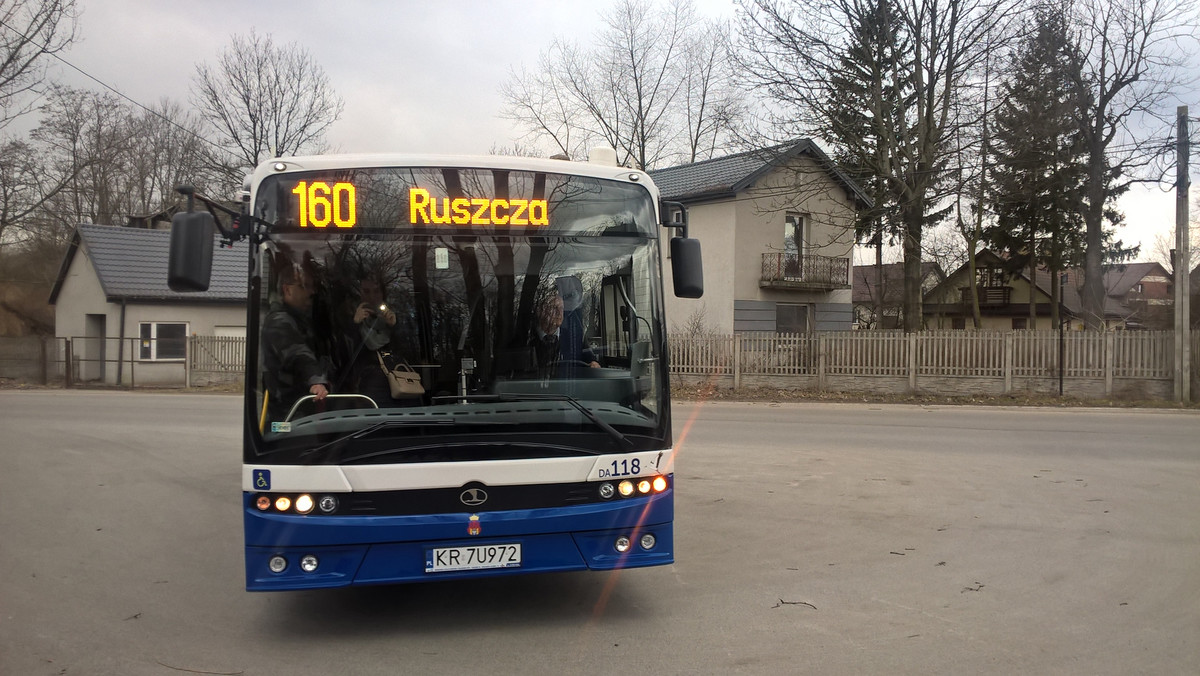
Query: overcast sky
{"x": 415, "y": 76}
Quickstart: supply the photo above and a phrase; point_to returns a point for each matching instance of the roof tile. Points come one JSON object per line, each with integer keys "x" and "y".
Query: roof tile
{"x": 132, "y": 265}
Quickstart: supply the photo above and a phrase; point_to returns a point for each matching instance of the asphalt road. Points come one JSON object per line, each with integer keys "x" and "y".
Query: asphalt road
{"x": 810, "y": 538}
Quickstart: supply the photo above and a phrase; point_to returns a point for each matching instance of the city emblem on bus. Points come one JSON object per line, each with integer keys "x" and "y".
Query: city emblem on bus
{"x": 473, "y": 525}
{"x": 262, "y": 479}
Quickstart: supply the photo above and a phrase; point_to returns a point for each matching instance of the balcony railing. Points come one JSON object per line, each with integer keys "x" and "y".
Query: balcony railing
{"x": 792, "y": 271}
{"x": 989, "y": 296}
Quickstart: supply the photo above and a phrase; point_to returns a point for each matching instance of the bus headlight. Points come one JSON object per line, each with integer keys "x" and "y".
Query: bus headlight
{"x": 304, "y": 504}
{"x": 607, "y": 490}
{"x": 283, "y": 503}
{"x": 660, "y": 484}
{"x": 622, "y": 544}
{"x": 263, "y": 503}
{"x": 644, "y": 486}
{"x": 648, "y": 541}
{"x": 309, "y": 563}
{"x": 328, "y": 504}
{"x": 626, "y": 488}
{"x": 277, "y": 564}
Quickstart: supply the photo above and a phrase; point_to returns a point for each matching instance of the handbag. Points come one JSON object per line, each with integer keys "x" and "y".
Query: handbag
{"x": 402, "y": 379}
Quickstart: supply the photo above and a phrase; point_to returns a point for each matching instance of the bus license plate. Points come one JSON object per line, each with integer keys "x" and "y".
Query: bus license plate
{"x": 475, "y": 557}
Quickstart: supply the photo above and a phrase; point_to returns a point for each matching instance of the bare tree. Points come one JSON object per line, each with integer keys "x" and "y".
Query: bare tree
{"x": 1134, "y": 52}
{"x": 793, "y": 51}
{"x": 85, "y": 136}
{"x": 712, "y": 104}
{"x": 264, "y": 100}
{"x": 166, "y": 149}
{"x": 21, "y": 187}
{"x": 30, "y": 30}
{"x": 656, "y": 87}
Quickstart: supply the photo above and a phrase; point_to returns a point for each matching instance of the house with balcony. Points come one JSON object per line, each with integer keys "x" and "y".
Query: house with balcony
{"x": 1136, "y": 296}
{"x": 777, "y": 230}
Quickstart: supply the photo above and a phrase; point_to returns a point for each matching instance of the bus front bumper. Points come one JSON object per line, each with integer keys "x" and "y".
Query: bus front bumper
{"x": 437, "y": 547}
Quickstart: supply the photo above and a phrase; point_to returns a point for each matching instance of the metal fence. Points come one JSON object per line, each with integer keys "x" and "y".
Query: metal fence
{"x": 129, "y": 362}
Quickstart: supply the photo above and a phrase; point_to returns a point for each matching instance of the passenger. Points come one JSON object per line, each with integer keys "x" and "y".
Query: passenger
{"x": 293, "y": 368}
{"x": 369, "y": 340}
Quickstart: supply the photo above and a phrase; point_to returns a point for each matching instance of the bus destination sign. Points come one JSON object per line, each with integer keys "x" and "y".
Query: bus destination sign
{"x": 321, "y": 205}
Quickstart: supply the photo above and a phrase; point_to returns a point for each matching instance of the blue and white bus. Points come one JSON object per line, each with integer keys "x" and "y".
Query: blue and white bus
{"x": 500, "y": 458}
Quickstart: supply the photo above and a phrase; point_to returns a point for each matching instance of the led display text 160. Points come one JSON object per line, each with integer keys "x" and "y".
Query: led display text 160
{"x": 321, "y": 204}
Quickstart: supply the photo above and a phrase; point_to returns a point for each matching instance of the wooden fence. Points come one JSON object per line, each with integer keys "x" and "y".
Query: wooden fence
{"x": 217, "y": 354}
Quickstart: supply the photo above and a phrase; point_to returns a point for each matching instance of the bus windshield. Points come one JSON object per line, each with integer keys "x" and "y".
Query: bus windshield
{"x": 437, "y": 315}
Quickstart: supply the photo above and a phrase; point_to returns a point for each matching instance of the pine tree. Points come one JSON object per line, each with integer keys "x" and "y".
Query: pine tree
{"x": 869, "y": 101}
{"x": 1036, "y": 185}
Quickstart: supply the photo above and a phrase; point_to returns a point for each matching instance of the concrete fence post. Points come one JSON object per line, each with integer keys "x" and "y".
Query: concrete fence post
{"x": 737, "y": 361}
{"x": 821, "y": 347}
{"x": 912, "y": 362}
{"x": 1008, "y": 362}
{"x": 1110, "y": 350}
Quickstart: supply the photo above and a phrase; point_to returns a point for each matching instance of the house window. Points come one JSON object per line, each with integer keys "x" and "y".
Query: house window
{"x": 162, "y": 341}
{"x": 1020, "y": 323}
{"x": 990, "y": 277}
{"x": 791, "y": 318}
{"x": 793, "y": 234}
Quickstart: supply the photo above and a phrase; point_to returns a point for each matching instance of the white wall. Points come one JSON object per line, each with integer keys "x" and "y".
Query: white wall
{"x": 713, "y": 224}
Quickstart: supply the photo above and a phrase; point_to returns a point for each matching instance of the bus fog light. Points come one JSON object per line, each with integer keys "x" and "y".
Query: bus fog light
{"x": 309, "y": 563}
{"x": 660, "y": 484}
{"x": 328, "y": 504}
{"x": 648, "y": 541}
{"x": 626, "y": 488}
{"x": 263, "y": 503}
{"x": 283, "y": 503}
{"x": 622, "y": 544}
{"x": 277, "y": 564}
{"x": 644, "y": 486}
{"x": 304, "y": 504}
{"x": 607, "y": 490}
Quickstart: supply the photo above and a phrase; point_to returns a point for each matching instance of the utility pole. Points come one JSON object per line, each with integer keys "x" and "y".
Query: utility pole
{"x": 1183, "y": 343}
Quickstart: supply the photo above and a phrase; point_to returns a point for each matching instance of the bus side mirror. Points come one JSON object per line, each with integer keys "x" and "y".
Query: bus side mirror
{"x": 189, "y": 266}
{"x": 687, "y": 272}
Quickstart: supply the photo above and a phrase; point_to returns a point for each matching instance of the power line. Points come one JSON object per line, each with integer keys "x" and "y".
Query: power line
{"x": 110, "y": 88}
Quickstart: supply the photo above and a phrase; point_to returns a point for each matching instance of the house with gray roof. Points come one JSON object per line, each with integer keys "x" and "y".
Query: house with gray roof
{"x": 124, "y": 324}
{"x": 777, "y": 230}
{"x": 1136, "y": 296}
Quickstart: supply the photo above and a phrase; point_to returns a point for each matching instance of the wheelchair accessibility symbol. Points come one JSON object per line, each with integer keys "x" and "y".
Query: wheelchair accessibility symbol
{"x": 262, "y": 479}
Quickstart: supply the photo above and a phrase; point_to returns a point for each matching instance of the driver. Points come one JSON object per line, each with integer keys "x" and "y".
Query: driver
{"x": 559, "y": 332}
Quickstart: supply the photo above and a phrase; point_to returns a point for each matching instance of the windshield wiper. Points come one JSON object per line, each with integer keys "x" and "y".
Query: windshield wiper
{"x": 341, "y": 441}
{"x": 475, "y": 447}
{"x": 587, "y": 412}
